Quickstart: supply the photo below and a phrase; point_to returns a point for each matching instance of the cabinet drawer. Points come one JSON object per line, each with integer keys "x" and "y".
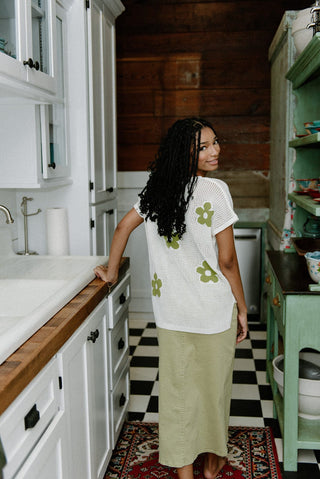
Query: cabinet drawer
{"x": 120, "y": 401}
{"x": 26, "y": 419}
{"x": 118, "y": 301}
{"x": 49, "y": 458}
{"x": 118, "y": 347}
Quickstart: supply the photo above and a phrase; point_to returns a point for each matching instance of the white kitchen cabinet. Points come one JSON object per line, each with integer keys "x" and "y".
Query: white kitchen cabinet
{"x": 33, "y": 430}
{"x": 27, "y": 28}
{"x": 41, "y": 156}
{"x": 66, "y": 422}
{"x": 103, "y": 222}
{"x": 85, "y": 382}
{"x": 118, "y": 349}
{"x": 102, "y": 100}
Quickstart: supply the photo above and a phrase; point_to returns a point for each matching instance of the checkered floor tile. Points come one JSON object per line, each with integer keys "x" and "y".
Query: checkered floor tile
{"x": 251, "y": 403}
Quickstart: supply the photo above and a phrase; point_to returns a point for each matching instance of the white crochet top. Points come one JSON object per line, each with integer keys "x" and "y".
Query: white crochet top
{"x": 189, "y": 292}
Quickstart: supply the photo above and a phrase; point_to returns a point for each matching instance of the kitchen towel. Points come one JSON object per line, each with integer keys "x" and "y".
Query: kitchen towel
{"x": 57, "y": 231}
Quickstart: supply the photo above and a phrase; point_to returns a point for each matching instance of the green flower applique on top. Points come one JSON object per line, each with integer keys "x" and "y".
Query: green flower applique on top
{"x": 156, "y": 285}
{"x": 174, "y": 243}
{"x": 205, "y": 214}
{"x": 207, "y": 273}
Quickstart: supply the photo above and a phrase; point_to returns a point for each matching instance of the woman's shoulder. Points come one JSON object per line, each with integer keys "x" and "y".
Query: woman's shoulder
{"x": 215, "y": 183}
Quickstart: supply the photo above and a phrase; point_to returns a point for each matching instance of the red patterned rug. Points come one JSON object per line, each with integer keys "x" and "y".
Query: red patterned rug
{"x": 252, "y": 455}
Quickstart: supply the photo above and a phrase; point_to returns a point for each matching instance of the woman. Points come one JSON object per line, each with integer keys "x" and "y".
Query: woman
{"x": 197, "y": 295}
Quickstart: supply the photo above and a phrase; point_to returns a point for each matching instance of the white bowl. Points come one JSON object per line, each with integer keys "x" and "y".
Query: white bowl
{"x": 313, "y": 264}
{"x": 309, "y": 390}
{"x": 302, "y": 35}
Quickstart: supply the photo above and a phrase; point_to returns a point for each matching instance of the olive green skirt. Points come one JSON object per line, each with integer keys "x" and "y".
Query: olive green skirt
{"x": 195, "y": 381}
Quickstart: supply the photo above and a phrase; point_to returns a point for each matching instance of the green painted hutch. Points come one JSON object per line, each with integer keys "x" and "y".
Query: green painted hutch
{"x": 292, "y": 309}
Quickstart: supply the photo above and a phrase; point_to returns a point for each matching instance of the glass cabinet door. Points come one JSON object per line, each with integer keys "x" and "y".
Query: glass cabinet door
{"x": 39, "y": 43}
{"x": 40, "y": 35}
{"x": 8, "y": 28}
{"x": 53, "y": 116}
{"x": 27, "y": 37}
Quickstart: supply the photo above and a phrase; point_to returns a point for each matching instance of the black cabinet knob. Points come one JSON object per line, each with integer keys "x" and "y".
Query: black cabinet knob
{"x": 110, "y": 190}
{"x": 29, "y": 62}
{"x": 122, "y": 299}
{"x": 31, "y": 419}
{"x": 122, "y": 400}
{"x": 32, "y": 64}
{"x": 52, "y": 165}
{"x": 93, "y": 336}
{"x": 121, "y": 344}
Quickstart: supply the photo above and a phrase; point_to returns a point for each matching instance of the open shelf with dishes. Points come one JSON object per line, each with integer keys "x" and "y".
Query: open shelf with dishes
{"x": 308, "y": 140}
{"x": 306, "y": 202}
{"x": 305, "y": 78}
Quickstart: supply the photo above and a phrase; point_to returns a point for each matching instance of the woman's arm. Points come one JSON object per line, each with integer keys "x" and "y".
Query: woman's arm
{"x": 228, "y": 263}
{"x": 120, "y": 238}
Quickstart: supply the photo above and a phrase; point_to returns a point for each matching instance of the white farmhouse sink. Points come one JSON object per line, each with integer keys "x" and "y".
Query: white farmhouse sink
{"x": 34, "y": 288}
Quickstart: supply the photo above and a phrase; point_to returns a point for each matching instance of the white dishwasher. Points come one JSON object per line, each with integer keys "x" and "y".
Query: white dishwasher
{"x": 248, "y": 247}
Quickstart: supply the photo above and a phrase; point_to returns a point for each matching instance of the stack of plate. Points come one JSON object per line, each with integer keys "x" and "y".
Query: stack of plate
{"x": 2, "y": 44}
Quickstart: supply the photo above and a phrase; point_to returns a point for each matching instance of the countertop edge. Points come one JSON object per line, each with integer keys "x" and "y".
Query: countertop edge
{"x": 33, "y": 355}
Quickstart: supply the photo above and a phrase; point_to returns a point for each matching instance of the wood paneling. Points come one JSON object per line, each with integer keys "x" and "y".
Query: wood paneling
{"x": 178, "y": 58}
{"x": 234, "y": 156}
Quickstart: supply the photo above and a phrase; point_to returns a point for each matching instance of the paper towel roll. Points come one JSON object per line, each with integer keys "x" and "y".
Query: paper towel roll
{"x": 57, "y": 231}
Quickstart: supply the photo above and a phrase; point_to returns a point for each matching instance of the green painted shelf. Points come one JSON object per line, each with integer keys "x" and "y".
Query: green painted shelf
{"x": 309, "y": 140}
{"x": 307, "y": 64}
{"x": 306, "y": 203}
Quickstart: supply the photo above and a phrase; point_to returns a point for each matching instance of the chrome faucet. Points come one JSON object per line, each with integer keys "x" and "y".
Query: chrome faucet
{"x": 7, "y": 213}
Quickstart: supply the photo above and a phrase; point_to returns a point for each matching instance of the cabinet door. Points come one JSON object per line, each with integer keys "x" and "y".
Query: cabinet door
{"x": 27, "y": 28}
{"x": 49, "y": 458}
{"x": 55, "y": 154}
{"x": 12, "y": 29}
{"x": 97, "y": 373}
{"x": 85, "y": 380}
{"x": 101, "y": 65}
{"x": 103, "y": 224}
{"x": 40, "y": 42}
{"x": 74, "y": 374}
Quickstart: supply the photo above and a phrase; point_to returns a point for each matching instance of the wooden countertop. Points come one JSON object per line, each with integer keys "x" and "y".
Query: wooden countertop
{"x": 292, "y": 272}
{"x": 25, "y": 363}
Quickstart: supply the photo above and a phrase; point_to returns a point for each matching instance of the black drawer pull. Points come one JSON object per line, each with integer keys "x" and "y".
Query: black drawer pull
{"x": 122, "y": 299}
{"x": 93, "y": 336}
{"x": 121, "y": 344}
{"x": 31, "y": 419}
{"x": 122, "y": 400}
{"x": 110, "y": 190}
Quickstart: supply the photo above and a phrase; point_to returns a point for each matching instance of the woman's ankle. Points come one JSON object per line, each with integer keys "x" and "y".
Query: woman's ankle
{"x": 213, "y": 465}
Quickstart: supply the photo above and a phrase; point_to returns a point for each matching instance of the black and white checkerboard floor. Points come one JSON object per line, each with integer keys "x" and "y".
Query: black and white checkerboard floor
{"x": 251, "y": 403}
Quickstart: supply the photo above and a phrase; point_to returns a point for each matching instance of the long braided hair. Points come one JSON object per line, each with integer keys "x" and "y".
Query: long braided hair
{"x": 172, "y": 178}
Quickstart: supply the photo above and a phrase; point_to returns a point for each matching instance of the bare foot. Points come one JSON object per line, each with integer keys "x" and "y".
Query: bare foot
{"x": 213, "y": 465}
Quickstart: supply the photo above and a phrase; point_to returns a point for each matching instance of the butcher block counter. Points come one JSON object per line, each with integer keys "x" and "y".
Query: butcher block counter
{"x": 25, "y": 363}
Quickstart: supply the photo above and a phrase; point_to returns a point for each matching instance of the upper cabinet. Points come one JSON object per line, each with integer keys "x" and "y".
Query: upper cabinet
{"x": 305, "y": 77}
{"x": 34, "y": 137}
{"x": 27, "y": 39}
{"x": 102, "y": 99}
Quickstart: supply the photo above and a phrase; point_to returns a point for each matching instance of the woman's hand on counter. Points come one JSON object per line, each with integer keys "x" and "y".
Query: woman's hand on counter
{"x": 103, "y": 273}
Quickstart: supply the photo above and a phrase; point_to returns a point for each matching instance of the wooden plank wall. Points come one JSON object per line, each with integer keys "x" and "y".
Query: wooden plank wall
{"x": 178, "y": 58}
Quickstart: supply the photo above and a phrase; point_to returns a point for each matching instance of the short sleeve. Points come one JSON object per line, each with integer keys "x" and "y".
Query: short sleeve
{"x": 137, "y": 208}
{"x": 224, "y": 214}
